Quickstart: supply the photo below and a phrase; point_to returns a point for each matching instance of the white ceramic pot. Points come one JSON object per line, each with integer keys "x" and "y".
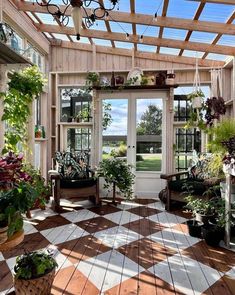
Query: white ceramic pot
{"x": 197, "y": 102}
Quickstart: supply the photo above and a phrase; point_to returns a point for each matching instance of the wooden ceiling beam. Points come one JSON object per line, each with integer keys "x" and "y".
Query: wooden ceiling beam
{"x": 164, "y": 11}
{"x": 195, "y": 46}
{"x": 132, "y": 6}
{"x": 216, "y": 39}
{"x": 228, "y": 2}
{"x": 142, "y": 19}
{"x": 138, "y": 54}
{"x": 196, "y": 17}
{"x": 107, "y": 24}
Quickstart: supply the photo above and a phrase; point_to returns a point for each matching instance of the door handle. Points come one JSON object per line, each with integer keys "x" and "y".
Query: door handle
{"x": 129, "y": 146}
{"x": 133, "y": 146}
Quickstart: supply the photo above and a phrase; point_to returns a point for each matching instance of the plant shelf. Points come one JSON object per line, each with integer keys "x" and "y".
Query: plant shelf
{"x": 13, "y": 241}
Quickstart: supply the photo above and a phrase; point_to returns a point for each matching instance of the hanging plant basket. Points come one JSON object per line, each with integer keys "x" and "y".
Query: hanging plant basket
{"x": 197, "y": 102}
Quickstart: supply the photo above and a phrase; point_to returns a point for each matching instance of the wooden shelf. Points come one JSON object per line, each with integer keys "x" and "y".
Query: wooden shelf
{"x": 74, "y": 124}
{"x": 13, "y": 241}
{"x": 138, "y": 87}
{"x": 40, "y": 139}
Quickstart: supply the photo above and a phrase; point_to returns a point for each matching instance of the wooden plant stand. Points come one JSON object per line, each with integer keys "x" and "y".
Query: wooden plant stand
{"x": 114, "y": 200}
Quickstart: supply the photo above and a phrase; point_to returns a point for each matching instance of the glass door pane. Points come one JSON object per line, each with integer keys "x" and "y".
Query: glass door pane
{"x": 114, "y": 128}
{"x": 149, "y": 134}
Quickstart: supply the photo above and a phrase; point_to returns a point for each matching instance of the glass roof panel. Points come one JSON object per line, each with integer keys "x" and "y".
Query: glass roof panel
{"x": 174, "y": 34}
{"x": 216, "y": 56}
{"x": 126, "y": 45}
{"x": 143, "y": 47}
{"x": 216, "y": 12}
{"x": 148, "y": 7}
{"x": 102, "y": 42}
{"x": 46, "y": 18}
{"x": 32, "y": 17}
{"x": 167, "y": 50}
{"x": 202, "y": 37}
{"x": 182, "y": 8}
{"x": 99, "y": 25}
{"x": 120, "y": 27}
{"x": 61, "y": 37}
{"x": 227, "y": 40}
{"x": 147, "y": 30}
{"x": 191, "y": 53}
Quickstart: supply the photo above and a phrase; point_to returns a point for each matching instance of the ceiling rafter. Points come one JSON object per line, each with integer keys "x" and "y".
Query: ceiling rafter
{"x": 132, "y": 6}
{"x": 164, "y": 11}
{"x": 138, "y": 54}
{"x": 142, "y": 19}
{"x": 107, "y": 24}
{"x": 227, "y": 2}
{"x": 216, "y": 39}
{"x": 196, "y": 17}
{"x": 194, "y": 46}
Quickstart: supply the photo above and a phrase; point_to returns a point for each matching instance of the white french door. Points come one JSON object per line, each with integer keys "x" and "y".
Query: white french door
{"x": 134, "y": 129}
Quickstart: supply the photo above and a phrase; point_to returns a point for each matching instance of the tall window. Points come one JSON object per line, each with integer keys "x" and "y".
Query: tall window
{"x": 186, "y": 140}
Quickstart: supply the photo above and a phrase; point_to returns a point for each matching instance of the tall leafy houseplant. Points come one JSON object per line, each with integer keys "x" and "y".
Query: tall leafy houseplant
{"x": 117, "y": 173}
{"x": 23, "y": 87}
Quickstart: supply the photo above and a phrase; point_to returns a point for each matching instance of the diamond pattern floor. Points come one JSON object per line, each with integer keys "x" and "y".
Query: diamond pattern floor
{"x": 134, "y": 248}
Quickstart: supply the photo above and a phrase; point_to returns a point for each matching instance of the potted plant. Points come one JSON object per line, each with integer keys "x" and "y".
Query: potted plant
{"x": 203, "y": 210}
{"x": 196, "y": 97}
{"x": 170, "y": 79}
{"x": 3, "y": 228}
{"x": 92, "y": 79}
{"x": 117, "y": 174}
{"x": 34, "y": 273}
{"x": 84, "y": 115}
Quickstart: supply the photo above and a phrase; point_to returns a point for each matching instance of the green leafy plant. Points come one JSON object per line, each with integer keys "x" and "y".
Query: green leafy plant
{"x": 107, "y": 118}
{"x": 92, "y": 79}
{"x": 118, "y": 172}
{"x": 24, "y": 86}
{"x": 84, "y": 114}
{"x": 196, "y": 205}
{"x": 34, "y": 265}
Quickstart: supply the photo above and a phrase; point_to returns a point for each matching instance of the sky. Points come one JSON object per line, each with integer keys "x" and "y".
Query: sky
{"x": 177, "y": 8}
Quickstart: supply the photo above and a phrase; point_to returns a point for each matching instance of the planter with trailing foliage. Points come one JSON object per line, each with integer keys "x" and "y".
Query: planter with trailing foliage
{"x": 212, "y": 234}
{"x": 34, "y": 273}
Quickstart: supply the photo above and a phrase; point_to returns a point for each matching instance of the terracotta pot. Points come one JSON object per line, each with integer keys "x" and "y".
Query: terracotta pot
{"x": 3, "y": 234}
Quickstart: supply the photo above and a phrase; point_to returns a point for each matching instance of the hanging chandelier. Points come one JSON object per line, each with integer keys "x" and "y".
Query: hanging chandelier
{"x": 78, "y": 12}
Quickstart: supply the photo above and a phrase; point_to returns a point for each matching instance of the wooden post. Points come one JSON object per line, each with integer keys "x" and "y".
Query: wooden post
{"x": 114, "y": 193}
{"x": 227, "y": 209}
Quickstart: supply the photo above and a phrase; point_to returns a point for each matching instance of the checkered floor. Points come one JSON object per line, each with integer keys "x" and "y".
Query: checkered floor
{"x": 134, "y": 248}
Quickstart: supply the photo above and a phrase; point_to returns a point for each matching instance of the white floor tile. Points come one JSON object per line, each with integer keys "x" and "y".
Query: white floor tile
{"x": 29, "y": 228}
{"x": 1, "y": 257}
{"x": 61, "y": 260}
{"x": 63, "y": 233}
{"x": 167, "y": 219}
{"x": 231, "y": 272}
{"x": 11, "y": 263}
{"x": 106, "y": 270}
{"x": 122, "y": 217}
{"x": 173, "y": 239}
{"x": 157, "y": 205}
{"x": 80, "y": 215}
{"x": 42, "y": 214}
{"x": 189, "y": 276}
{"x": 125, "y": 205}
{"x": 117, "y": 236}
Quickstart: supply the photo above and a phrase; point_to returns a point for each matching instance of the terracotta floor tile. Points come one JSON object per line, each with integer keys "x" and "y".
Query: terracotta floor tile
{"x": 181, "y": 227}
{"x": 144, "y": 211}
{"x": 61, "y": 280}
{"x": 145, "y": 252}
{"x": 31, "y": 242}
{"x": 96, "y": 224}
{"x": 51, "y": 221}
{"x": 82, "y": 248}
{"x": 6, "y": 280}
{"x": 217, "y": 258}
{"x": 218, "y": 288}
{"x": 144, "y": 227}
{"x": 105, "y": 209}
{"x": 145, "y": 201}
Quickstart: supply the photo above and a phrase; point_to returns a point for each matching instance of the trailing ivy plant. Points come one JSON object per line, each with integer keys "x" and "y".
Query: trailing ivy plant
{"x": 23, "y": 87}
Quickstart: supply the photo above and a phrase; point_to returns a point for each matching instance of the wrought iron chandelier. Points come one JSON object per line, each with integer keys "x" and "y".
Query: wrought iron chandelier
{"x": 78, "y": 12}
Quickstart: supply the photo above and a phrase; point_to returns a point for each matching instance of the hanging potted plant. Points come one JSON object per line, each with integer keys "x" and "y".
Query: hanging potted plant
{"x": 34, "y": 273}
{"x": 196, "y": 97}
{"x": 170, "y": 79}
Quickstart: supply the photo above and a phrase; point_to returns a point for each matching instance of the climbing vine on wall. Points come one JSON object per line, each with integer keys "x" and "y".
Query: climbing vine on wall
{"x": 23, "y": 87}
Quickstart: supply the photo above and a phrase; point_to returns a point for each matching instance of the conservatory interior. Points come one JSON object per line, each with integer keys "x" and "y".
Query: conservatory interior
{"x": 117, "y": 139}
